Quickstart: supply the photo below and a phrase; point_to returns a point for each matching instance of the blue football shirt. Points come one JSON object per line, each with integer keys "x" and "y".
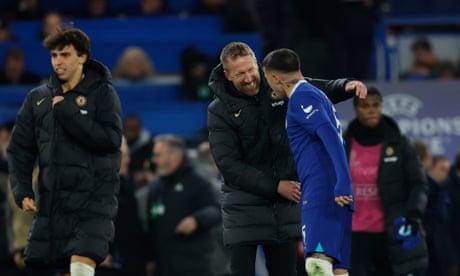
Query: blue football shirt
{"x": 315, "y": 135}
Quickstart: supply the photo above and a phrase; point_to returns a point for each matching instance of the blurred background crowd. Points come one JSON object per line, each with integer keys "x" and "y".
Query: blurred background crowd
{"x": 335, "y": 38}
{"x": 160, "y": 53}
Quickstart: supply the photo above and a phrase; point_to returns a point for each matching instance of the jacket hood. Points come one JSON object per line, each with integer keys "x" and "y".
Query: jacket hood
{"x": 217, "y": 81}
{"x": 94, "y": 72}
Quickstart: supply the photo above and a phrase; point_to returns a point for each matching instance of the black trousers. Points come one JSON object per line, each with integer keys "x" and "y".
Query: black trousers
{"x": 281, "y": 259}
{"x": 369, "y": 255}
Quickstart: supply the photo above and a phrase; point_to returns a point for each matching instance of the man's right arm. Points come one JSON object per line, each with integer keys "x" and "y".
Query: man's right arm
{"x": 340, "y": 90}
{"x": 22, "y": 152}
{"x": 226, "y": 150}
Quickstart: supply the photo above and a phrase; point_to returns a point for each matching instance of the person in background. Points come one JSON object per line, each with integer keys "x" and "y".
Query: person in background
{"x": 214, "y": 6}
{"x": 5, "y": 134}
{"x": 207, "y": 164}
{"x": 182, "y": 211}
{"x": 127, "y": 252}
{"x": 315, "y": 135}
{"x": 445, "y": 70}
{"x": 441, "y": 253}
{"x": 51, "y": 22}
{"x": 453, "y": 189}
{"x": 20, "y": 220}
{"x": 5, "y": 33}
{"x": 140, "y": 145}
{"x": 72, "y": 127}
{"x": 390, "y": 191}
{"x": 14, "y": 69}
{"x": 195, "y": 69}
{"x": 439, "y": 169}
{"x": 134, "y": 65}
{"x": 7, "y": 266}
{"x": 207, "y": 167}
{"x": 151, "y": 7}
{"x": 25, "y": 10}
{"x": 423, "y": 63}
{"x": 21, "y": 223}
{"x": 141, "y": 168}
{"x": 251, "y": 149}
{"x": 97, "y": 9}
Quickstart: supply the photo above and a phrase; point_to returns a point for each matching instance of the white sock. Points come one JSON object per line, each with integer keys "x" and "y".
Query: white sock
{"x": 81, "y": 269}
{"x": 318, "y": 267}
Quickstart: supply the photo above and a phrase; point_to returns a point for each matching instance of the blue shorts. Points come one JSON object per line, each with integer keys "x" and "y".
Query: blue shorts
{"x": 327, "y": 229}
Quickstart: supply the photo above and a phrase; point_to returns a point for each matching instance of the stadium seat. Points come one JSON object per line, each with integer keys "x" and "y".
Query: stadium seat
{"x": 164, "y": 52}
{"x": 160, "y": 106}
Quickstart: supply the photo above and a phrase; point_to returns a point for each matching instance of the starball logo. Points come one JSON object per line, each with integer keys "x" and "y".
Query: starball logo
{"x": 401, "y": 104}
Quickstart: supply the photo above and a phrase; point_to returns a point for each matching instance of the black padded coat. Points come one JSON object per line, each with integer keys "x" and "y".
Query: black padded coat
{"x": 251, "y": 148}
{"x": 76, "y": 144}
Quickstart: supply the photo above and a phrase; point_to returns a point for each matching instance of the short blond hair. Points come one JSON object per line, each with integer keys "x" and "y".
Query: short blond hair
{"x": 234, "y": 50}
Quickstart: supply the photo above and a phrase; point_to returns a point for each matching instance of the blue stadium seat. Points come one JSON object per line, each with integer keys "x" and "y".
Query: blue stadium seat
{"x": 26, "y": 30}
{"x": 128, "y": 28}
{"x": 160, "y": 106}
{"x": 165, "y": 53}
{"x": 139, "y": 95}
{"x": 37, "y": 57}
{"x": 11, "y": 98}
{"x": 177, "y": 118}
{"x": 163, "y": 38}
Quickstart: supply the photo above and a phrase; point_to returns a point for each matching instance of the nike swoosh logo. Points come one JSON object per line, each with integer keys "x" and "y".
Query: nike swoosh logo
{"x": 39, "y": 102}
{"x": 237, "y": 114}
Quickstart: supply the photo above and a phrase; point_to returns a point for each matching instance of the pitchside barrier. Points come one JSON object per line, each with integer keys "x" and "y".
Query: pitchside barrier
{"x": 427, "y": 110}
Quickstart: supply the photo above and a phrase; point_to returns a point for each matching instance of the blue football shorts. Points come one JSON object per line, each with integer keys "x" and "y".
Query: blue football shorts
{"x": 327, "y": 230}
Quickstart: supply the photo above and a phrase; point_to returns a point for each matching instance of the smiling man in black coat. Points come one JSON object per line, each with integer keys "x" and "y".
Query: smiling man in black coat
{"x": 182, "y": 211}
{"x": 249, "y": 143}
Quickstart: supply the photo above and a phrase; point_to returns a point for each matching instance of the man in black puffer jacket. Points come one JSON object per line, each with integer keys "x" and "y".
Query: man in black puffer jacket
{"x": 72, "y": 125}
{"x": 249, "y": 143}
{"x": 182, "y": 211}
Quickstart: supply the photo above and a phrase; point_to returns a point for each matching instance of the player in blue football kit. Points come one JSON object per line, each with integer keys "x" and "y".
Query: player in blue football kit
{"x": 316, "y": 141}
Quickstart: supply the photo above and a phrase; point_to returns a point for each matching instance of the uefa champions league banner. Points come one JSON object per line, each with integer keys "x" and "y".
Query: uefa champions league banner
{"x": 427, "y": 110}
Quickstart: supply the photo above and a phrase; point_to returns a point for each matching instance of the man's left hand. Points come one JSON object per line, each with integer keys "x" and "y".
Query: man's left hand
{"x": 357, "y": 87}
{"x": 343, "y": 200}
{"x": 187, "y": 226}
{"x": 57, "y": 99}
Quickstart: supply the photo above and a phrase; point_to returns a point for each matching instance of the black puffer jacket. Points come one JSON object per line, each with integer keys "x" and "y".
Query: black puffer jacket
{"x": 77, "y": 145}
{"x": 251, "y": 149}
{"x": 403, "y": 190}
